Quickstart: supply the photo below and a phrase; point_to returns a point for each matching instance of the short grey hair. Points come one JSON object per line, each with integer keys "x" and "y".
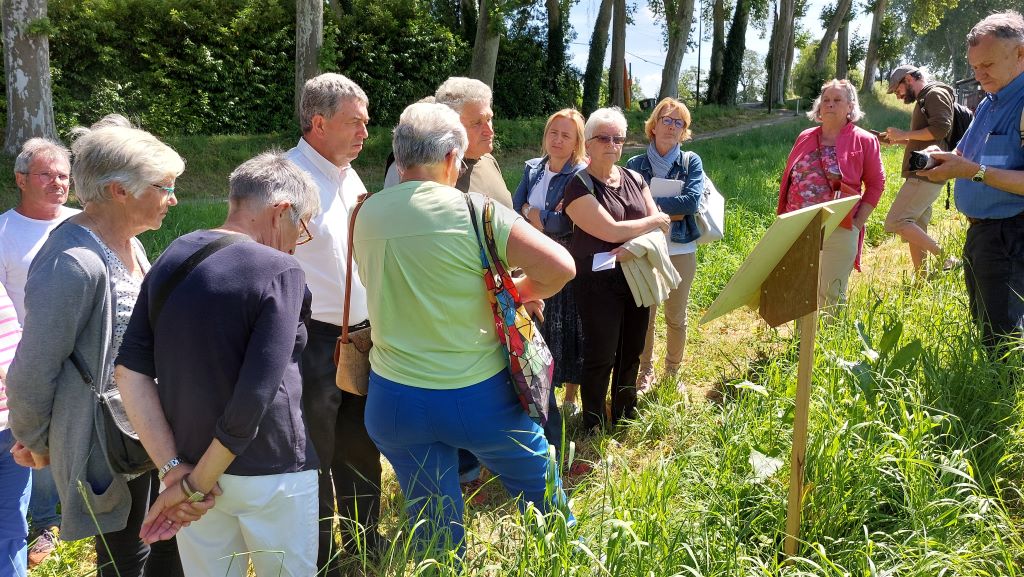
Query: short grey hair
{"x": 131, "y": 157}
{"x": 113, "y": 119}
{"x": 848, "y": 89}
{"x": 271, "y": 178}
{"x": 324, "y": 95}
{"x": 426, "y": 133}
{"x": 42, "y": 147}
{"x": 1008, "y": 25}
{"x": 459, "y": 90}
{"x": 601, "y": 117}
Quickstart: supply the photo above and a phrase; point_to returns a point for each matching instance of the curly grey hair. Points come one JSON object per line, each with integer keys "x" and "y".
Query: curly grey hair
{"x": 847, "y": 89}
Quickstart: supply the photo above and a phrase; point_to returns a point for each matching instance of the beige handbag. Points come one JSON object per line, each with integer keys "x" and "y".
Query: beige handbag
{"x": 352, "y": 350}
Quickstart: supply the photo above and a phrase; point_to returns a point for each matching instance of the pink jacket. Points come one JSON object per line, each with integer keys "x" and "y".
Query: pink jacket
{"x": 860, "y": 161}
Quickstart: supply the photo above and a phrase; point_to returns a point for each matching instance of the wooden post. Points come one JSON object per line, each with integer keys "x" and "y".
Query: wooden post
{"x": 807, "y": 327}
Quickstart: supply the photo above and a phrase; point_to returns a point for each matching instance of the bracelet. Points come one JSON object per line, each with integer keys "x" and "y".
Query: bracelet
{"x": 191, "y": 495}
{"x": 525, "y": 211}
{"x": 174, "y": 462}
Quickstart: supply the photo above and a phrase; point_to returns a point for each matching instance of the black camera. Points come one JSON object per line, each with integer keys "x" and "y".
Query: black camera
{"x": 920, "y": 161}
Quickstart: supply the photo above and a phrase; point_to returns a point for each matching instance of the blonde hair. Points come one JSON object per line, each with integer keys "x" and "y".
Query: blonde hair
{"x": 659, "y": 112}
{"x": 573, "y": 115}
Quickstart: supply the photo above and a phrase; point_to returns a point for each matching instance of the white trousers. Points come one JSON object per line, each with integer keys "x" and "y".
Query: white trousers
{"x": 271, "y": 519}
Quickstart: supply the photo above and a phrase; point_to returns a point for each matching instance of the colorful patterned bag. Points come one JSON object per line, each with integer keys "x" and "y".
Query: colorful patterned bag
{"x": 529, "y": 359}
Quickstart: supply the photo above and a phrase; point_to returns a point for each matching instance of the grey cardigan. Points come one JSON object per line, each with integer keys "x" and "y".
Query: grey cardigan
{"x": 70, "y": 306}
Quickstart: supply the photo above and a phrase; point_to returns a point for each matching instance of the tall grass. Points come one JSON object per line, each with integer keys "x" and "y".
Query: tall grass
{"x": 914, "y": 459}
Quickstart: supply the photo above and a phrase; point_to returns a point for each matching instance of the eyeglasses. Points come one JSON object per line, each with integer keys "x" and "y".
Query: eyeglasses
{"x": 304, "y": 234}
{"x": 606, "y": 140}
{"x": 668, "y": 121}
{"x": 463, "y": 167}
{"x": 168, "y": 190}
{"x": 48, "y": 177}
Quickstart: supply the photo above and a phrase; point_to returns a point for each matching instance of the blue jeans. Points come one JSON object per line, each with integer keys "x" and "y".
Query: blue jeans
{"x": 42, "y": 508}
{"x": 469, "y": 465}
{"x": 15, "y": 481}
{"x": 420, "y": 431}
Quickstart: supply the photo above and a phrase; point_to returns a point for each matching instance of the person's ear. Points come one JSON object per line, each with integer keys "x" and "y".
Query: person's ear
{"x": 118, "y": 193}
{"x": 21, "y": 180}
{"x": 278, "y": 211}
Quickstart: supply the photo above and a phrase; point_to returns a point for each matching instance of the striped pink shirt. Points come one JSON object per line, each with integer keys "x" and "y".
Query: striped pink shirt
{"x": 10, "y": 336}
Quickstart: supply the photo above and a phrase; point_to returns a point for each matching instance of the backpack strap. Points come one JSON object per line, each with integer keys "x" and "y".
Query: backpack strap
{"x": 1022, "y": 127}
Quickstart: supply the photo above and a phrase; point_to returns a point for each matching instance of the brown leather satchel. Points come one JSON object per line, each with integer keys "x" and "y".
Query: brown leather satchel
{"x": 352, "y": 349}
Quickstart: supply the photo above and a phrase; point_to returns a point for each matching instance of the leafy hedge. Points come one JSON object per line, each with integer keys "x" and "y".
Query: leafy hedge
{"x": 227, "y": 66}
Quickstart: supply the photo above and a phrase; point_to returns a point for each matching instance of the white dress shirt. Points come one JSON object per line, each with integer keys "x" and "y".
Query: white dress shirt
{"x": 325, "y": 257}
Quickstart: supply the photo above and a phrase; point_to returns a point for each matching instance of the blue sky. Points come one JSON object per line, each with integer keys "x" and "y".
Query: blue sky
{"x": 646, "y": 52}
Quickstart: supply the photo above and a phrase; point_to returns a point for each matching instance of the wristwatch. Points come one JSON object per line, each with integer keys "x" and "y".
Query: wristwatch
{"x": 191, "y": 495}
{"x": 980, "y": 175}
{"x": 174, "y": 462}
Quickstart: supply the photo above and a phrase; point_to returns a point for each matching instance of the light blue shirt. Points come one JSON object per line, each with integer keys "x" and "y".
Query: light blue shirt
{"x": 994, "y": 140}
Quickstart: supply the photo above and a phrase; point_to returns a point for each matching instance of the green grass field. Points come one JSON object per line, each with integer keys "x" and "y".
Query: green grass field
{"x": 914, "y": 461}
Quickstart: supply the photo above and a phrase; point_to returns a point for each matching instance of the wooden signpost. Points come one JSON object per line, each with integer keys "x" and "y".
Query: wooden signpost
{"x": 780, "y": 279}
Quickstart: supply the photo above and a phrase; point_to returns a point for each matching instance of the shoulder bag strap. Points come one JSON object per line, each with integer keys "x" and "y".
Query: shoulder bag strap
{"x": 164, "y": 291}
{"x": 348, "y": 266}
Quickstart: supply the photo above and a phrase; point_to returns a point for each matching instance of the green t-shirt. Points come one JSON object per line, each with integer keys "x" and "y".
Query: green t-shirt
{"x": 419, "y": 259}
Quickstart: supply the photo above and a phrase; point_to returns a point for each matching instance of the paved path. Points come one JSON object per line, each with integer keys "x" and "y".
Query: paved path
{"x": 776, "y": 118}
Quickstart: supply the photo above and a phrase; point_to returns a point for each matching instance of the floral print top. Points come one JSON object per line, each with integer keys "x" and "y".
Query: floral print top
{"x": 808, "y": 183}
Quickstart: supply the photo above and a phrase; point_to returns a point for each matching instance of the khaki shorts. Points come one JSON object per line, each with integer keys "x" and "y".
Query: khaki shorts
{"x": 912, "y": 205}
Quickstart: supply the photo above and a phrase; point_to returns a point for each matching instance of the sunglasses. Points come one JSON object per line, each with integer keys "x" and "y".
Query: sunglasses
{"x": 606, "y": 140}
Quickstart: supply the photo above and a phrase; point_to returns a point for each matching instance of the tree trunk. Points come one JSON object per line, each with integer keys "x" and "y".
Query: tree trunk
{"x": 834, "y": 23}
{"x": 871, "y": 59}
{"x": 595, "y": 60}
{"x": 732, "y": 62}
{"x": 678, "y": 25}
{"x": 617, "y": 69}
{"x": 309, "y": 38}
{"x": 843, "y": 51}
{"x": 340, "y": 7}
{"x": 782, "y": 38}
{"x": 485, "y": 47}
{"x": 788, "y": 69}
{"x": 27, "y": 67}
{"x": 717, "y": 50}
{"x": 556, "y": 47}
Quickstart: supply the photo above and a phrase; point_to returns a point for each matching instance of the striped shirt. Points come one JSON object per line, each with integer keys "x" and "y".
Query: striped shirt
{"x": 10, "y": 336}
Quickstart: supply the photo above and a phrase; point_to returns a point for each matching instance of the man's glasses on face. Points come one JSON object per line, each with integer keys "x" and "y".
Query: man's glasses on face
{"x": 48, "y": 177}
{"x": 606, "y": 140}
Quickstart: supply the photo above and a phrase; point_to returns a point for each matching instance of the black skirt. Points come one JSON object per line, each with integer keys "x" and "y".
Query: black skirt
{"x": 563, "y": 332}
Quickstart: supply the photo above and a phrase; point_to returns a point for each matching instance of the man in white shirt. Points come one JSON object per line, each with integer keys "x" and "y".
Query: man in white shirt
{"x": 42, "y": 174}
{"x": 332, "y": 112}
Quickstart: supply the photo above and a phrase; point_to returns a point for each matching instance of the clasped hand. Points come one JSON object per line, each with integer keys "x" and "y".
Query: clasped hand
{"x": 172, "y": 510}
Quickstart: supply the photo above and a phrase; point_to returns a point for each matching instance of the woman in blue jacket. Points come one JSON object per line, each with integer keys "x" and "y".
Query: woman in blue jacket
{"x": 669, "y": 125}
{"x": 539, "y": 200}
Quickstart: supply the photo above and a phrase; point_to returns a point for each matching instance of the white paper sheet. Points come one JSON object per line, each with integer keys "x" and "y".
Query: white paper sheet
{"x": 603, "y": 261}
{"x": 663, "y": 188}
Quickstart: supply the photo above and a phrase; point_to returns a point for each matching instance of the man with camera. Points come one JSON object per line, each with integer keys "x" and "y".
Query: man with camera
{"x": 930, "y": 122}
{"x": 989, "y": 167}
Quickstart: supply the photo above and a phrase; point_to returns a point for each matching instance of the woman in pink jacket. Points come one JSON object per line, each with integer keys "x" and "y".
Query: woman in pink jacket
{"x": 835, "y": 159}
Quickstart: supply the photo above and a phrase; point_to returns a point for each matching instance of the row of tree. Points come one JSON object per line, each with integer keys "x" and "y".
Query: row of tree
{"x": 214, "y": 66}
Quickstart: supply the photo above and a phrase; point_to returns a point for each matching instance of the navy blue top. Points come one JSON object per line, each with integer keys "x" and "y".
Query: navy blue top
{"x": 994, "y": 140}
{"x": 226, "y": 354}
{"x": 687, "y": 202}
{"x": 556, "y": 222}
